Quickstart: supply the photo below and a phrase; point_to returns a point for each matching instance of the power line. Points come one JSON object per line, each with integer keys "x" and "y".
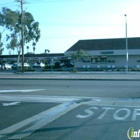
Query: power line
{"x": 14, "y": 4}
{"x": 51, "y": 1}
{"x": 8, "y": 4}
{"x": 57, "y": 0}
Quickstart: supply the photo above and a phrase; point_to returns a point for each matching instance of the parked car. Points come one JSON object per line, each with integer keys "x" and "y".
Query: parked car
{"x": 31, "y": 65}
{"x": 38, "y": 65}
{"x": 70, "y": 64}
{"x": 15, "y": 65}
{"x": 26, "y": 65}
{"x": 6, "y": 66}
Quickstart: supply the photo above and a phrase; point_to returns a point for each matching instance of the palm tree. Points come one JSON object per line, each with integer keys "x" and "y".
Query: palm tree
{"x": 46, "y": 50}
{"x": 27, "y": 49}
{"x": 34, "y": 47}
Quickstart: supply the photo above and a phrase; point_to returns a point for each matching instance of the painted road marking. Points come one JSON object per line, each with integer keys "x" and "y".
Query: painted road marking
{"x": 29, "y": 90}
{"x": 10, "y": 104}
{"x": 135, "y": 112}
{"x": 61, "y": 99}
{"x": 116, "y": 114}
{"x": 39, "y": 98}
{"x": 37, "y": 121}
{"x": 88, "y": 111}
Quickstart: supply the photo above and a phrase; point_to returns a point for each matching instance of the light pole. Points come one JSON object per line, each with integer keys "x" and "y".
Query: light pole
{"x": 52, "y": 64}
{"x": 126, "y": 43}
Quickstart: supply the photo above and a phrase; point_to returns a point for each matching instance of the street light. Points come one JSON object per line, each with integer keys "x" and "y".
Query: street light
{"x": 126, "y": 43}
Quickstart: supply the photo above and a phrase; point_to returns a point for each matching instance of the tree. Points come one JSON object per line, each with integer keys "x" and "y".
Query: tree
{"x": 11, "y": 20}
{"x": 1, "y": 45}
{"x": 78, "y": 55}
{"x": 27, "y": 49}
{"x": 13, "y": 44}
{"x": 46, "y": 50}
{"x": 34, "y": 47}
{"x": 8, "y": 20}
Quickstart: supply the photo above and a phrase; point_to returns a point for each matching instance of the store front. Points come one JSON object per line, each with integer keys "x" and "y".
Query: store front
{"x": 108, "y": 53}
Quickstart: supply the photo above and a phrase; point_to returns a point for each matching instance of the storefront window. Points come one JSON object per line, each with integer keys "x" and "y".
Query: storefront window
{"x": 99, "y": 59}
{"x": 94, "y": 59}
{"x": 103, "y": 59}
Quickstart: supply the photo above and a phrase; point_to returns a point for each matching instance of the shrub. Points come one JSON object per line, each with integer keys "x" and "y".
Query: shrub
{"x": 57, "y": 65}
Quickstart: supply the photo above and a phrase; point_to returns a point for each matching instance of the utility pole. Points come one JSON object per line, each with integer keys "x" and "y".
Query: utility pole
{"x": 22, "y": 32}
{"x": 126, "y": 43}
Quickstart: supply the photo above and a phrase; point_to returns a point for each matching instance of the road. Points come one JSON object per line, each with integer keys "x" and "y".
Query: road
{"x": 120, "y": 89}
{"x": 68, "y": 109}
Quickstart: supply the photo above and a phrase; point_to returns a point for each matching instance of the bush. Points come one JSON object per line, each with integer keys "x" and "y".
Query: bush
{"x": 57, "y": 65}
{"x": 47, "y": 67}
{"x": 75, "y": 70}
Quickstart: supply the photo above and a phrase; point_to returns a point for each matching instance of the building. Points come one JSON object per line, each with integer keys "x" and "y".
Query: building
{"x": 105, "y": 54}
{"x": 108, "y": 53}
{"x": 32, "y": 58}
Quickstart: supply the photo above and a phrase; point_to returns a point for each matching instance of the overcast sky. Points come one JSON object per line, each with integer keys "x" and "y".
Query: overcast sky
{"x": 64, "y": 22}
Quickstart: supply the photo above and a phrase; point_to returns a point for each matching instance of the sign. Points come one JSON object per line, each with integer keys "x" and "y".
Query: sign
{"x": 107, "y": 52}
{"x": 131, "y": 133}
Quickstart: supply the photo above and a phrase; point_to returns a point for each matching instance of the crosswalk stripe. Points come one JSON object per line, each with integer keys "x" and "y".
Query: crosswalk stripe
{"x": 39, "y": 120}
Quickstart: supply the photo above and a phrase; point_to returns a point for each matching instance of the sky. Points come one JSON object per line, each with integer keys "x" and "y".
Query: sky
{"x": 64, "y": 22}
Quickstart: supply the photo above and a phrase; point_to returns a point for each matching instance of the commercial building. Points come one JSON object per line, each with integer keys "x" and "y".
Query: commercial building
{"x": 32, "y": 58}
{"x": 105, "y": 54}
{"x": 108, "y": 53}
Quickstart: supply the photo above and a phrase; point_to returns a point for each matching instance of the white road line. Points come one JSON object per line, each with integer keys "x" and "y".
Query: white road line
{"x": 39, "y": 120}
{"x": 126, "y": 102}
{"x": 29, "y": 90}
{"x": 10, "y": 104}
{"x": 38, "y": 98}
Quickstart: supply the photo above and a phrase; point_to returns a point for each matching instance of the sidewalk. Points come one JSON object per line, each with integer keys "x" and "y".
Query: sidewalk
{"x": 72, "y": 76}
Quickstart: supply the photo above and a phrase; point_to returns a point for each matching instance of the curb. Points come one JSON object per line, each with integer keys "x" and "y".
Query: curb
{"x": 71, "y": 76}
{"x": 76, "y": 79}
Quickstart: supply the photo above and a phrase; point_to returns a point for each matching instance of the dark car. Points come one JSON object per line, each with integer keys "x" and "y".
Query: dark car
{"x": 15, "y": 66}
{"x": 67, "y": 65}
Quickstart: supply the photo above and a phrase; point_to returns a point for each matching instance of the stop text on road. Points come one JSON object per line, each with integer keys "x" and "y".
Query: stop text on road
{"x": 118, "y": 113}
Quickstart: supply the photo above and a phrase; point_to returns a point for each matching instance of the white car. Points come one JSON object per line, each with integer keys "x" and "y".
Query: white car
{"x": 6, "y": 66}
{"x": 15, "y": 65}
{"x": 39, "y": 65}
{"x": 26, "y": 65}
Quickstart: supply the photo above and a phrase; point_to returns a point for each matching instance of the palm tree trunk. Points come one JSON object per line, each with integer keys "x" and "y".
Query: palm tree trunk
{"x": 74, "y": 66}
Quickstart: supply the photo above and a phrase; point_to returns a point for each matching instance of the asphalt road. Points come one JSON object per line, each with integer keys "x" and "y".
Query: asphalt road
{"x": 81, "y": 124}
{"x": 86, "y": 88}
{"x": 68, "y": 109}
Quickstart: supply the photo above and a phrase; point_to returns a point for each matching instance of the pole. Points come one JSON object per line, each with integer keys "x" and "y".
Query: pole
{"x": 22, "y": 34}
{"x": 126, "y": 43}
{"x": 52, "y": 64}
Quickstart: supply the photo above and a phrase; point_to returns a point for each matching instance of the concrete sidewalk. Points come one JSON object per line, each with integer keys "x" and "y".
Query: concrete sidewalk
{"x": 72, "y": 76}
